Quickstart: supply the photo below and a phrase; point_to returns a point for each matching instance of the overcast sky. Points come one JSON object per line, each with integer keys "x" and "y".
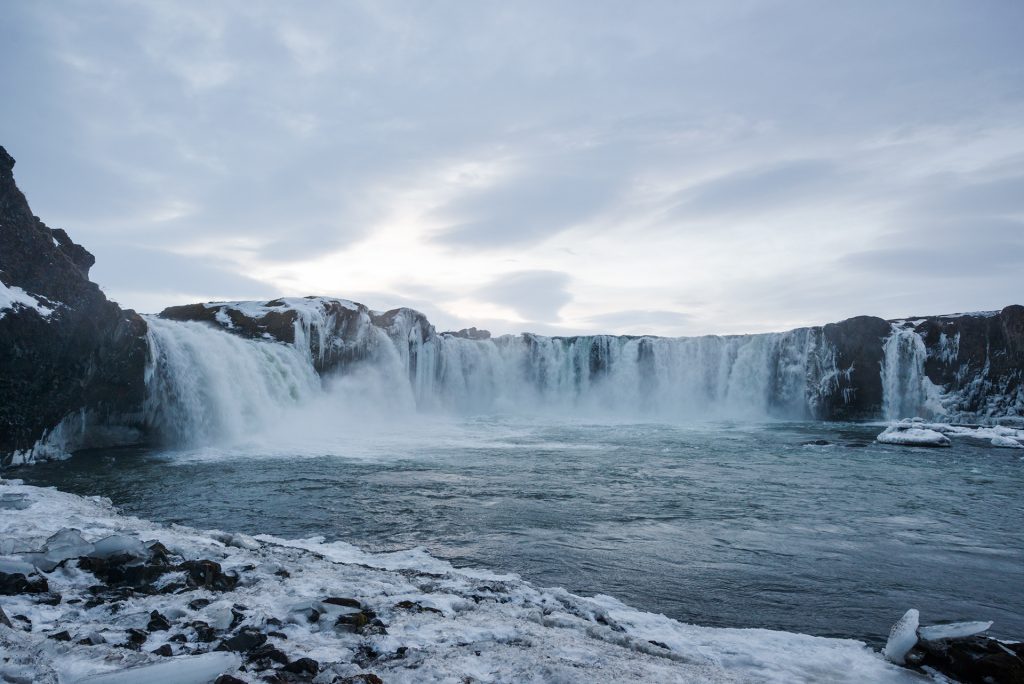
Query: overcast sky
{"x": 671, "y": 168}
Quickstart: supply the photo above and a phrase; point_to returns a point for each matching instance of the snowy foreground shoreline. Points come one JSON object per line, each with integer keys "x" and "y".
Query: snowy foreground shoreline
{"x": 279, "y": 610}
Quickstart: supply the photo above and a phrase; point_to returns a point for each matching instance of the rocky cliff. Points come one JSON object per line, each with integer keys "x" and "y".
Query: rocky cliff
{"x": 975, "y": 361}
{"x": 70, "y": 358}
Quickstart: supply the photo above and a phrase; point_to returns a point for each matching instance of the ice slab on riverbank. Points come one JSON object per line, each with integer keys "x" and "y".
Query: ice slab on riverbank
{"x": 439, "y": 623}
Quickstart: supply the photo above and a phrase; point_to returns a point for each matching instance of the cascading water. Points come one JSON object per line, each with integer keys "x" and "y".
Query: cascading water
{"x": 205, "y": 384}
{"x": 907, "y": 392}
{"x": 756, "y": 375}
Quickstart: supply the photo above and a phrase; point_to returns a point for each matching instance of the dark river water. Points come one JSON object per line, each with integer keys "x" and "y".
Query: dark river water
{"x": 721, "y": 524}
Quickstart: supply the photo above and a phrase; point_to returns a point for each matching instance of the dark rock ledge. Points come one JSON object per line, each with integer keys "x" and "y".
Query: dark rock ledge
{"x": 82, "y": 365}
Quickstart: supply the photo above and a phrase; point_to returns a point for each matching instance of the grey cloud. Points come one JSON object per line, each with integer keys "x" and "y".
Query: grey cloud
{"x": 953, "y": 232}
{"x": 530, "y": 208}
{"x": 995, "y": 197}
{"x": 139, "y": 269}
{"x": 638, "y": 320}
{"x": 534, "y": 295}
{"x": 759, "y": 188}
{"x": 640, "y": 317}
{"x": 967, "y": 260}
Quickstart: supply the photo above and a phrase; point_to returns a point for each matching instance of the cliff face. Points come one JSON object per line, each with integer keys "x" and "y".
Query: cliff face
{"x": 859, "y": 356}
{"x": 976, "y": 360}
{"x": 70, "y": 357}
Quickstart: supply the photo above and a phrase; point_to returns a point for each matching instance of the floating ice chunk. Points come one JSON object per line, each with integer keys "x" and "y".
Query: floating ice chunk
{"x": 997, "y": 435}
{"x": 902, "y": 637}
{"x": 200, "y": 669}
{"x": 954, "y": 630}
{"x": 14, "y": 502}
{"x": 219, "y": 616}
{"x": 913, "y": 436}
{"x": 13, "y": 566}
{"x": 238, "y": 540}
{"x": 65, "y": 544}
{"x": 118, "y": 545}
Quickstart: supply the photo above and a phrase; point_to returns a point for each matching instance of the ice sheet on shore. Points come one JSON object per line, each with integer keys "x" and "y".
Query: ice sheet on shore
{"x": 954, "y": 630}
{"x": 199, "y": 669}
{"x": 490, "y": 627}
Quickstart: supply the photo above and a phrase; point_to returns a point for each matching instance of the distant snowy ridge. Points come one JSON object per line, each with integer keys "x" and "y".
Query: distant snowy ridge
{"x": 437, "y": 623}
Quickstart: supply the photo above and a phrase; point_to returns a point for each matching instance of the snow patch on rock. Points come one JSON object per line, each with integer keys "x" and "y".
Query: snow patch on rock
{"x": 13, "y": 298}
{"x": 912, "y": 436}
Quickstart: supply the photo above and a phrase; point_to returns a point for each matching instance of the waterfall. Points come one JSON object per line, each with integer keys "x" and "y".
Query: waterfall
{"x": 740, "y": 376}
{"x": 906, "y": 390}
{"x": 205, "y": 384}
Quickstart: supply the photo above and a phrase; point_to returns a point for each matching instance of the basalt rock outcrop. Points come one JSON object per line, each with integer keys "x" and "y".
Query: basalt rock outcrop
{"x": 977, "y": 360}
{"x": 857, "y": 343}
{"x": 70, "y": 358}
{"x": 336, "y": 332}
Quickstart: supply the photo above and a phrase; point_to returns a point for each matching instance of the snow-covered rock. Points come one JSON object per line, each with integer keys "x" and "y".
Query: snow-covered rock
{"x": 913, "y": 436}
{"x": 996, "y": 435}
{"x": 14, "y": 299}
{"x": 1006, "y": 442}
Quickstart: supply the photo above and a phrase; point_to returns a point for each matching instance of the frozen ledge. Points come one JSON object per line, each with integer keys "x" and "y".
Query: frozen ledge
{"x": 91, "y": 592}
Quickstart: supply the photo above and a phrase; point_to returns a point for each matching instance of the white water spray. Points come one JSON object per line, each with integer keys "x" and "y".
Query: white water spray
{"x": 907, "y": 392}
{"x": 206, "y": 385}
